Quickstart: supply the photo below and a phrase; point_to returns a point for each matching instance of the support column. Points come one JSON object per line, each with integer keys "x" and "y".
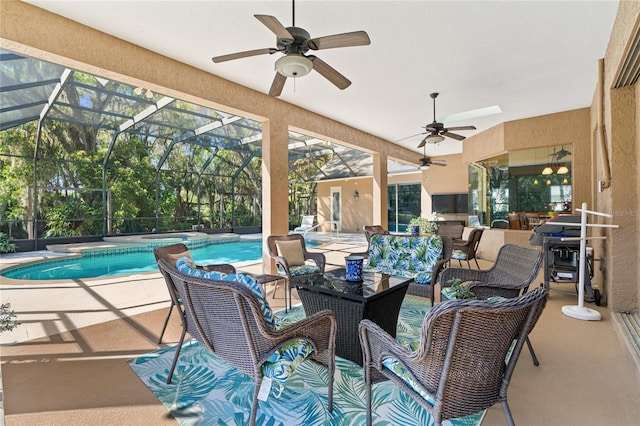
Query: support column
{"x": 275, "y": 184}
{"x": 380, "y": 191}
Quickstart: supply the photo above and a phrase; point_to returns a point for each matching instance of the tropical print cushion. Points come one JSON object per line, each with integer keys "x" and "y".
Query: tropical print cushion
{"x": 284, "y": 361}
{"x": 300, "y": 270}
{"x": 411, "y": 257}
{"x": 458, "y": 255}
{"x": 398, "y": 369}
{"x": 248, "y": 280}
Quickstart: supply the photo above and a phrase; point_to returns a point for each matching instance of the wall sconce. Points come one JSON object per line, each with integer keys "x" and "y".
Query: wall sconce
{"x": 548, "y": 181}
{"x": 535, "y": 181}
{"x": 356, "y": 195}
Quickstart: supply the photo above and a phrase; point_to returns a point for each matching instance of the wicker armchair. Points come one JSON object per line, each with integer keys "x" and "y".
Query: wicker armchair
{"x": 230, "y": 321}
{"x": 171, "y": 253}
{"x": 426, "y": 290}
{"x": 460, "y": 338}
{"x": 511, "y": 275}
{"x": 284, "y": 264}
{"x": 466, "y": 249}
{"x": 369, "y": 230}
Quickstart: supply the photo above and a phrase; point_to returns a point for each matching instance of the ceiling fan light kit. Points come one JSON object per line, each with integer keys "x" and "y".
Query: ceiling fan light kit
{"x": 294, "y": 65}
{"x": 434, "y": 138}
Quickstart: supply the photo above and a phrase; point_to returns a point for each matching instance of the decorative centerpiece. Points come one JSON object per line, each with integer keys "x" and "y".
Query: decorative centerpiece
{"x": 354, "y": 268}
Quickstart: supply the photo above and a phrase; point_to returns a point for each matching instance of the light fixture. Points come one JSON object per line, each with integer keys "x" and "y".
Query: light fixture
{"x": 547, "y": 171}
{"x": 562, "y": 170}
{"x": 548, "y": 181}
{"x": 356, "y": 195}
{"x": 565, "y": 181}
{"x": 434, "y": 138}
{"x": 424, "y": 167}
{"x": 294, "y": 65}
{"x": 535, "y": 181}
{"x": 148, "y": 93}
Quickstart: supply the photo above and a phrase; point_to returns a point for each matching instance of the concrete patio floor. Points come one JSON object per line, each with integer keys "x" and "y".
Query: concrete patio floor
{"x": 587, "y": 376}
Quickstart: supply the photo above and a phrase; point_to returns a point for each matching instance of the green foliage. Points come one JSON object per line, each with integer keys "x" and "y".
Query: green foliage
{"x": 426, "y": 226}
{"x": 459, "y": 291}
{"x": 7, "y": 315}
{"x": 6, "y": 245}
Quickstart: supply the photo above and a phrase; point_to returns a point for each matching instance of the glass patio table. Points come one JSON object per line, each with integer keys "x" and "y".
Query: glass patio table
{"x": 377, "y": 297}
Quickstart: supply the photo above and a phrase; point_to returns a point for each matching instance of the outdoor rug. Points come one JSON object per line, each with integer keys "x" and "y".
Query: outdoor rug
{"x": 205, "y": 390}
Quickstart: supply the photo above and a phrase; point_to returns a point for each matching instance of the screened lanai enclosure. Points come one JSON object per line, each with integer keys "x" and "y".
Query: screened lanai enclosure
{"x": 81, "y": 155}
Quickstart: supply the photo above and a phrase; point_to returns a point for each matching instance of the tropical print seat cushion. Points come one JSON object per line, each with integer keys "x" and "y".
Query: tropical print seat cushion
{"x": 398, "y": 369}
{"x": 284, "y": 361}
{"x": 300, "y": 270}
{"x": 411, "y": 257}
{"x": 458, "y": 255}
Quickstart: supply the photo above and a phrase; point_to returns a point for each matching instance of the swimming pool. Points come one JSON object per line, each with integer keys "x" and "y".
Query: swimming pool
{"x": 109, "y": 265}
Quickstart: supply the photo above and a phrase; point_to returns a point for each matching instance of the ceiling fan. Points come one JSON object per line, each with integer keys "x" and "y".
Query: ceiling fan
{"x": 295, "y": 42}
{"x": 436, "y": 132}
{"x": 426, "y": 162}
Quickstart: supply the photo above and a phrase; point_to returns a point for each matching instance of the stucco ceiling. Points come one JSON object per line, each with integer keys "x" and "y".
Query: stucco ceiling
{"x": 529, "y": 58}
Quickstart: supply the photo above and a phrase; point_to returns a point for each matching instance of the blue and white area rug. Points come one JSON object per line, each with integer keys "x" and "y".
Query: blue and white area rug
{"x": 207, "y": 391}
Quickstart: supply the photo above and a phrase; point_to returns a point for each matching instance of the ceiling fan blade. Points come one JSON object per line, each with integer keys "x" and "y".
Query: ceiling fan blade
{"x": 438, "y": 163}
{"x": 424, "y": 141}
{"x": 340, "y": 81}
{"x": 412, "y": 136}
{"x": 453, "y": 136}
{"x": 355, "y": 38}
{"x": 246, "y": 54}
{"x": 275, "y": 26}
{"x": 277, "y": 85}
{"x": 462, "y": 128}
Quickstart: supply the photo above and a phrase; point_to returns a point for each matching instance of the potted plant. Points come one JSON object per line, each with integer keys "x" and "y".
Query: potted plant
{"x": 458, "y": 291}
{"x": 421, "y": 225}
{"x": 6, "y": 245}
{"x": 7, "y": 315}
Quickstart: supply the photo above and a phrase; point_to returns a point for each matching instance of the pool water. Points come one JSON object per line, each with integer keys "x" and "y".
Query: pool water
{"x": 110, "y": 265}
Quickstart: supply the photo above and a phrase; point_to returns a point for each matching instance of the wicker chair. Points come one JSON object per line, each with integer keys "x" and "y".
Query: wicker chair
{"x": 511, "y": 275}
{"x": 466, "y": 249}
{"x": 230, "y": 322}
{"x": 369, "y": 230}
{"x": 426, "y": 290}
{"x": 171, "y": 253}
{"x": 451, "y": 230}
{"x": 461, "y": 365}
{"x": 288, "y": 270}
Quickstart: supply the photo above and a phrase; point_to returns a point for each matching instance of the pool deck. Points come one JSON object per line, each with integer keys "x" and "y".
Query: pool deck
{"x": 47, "y": 308}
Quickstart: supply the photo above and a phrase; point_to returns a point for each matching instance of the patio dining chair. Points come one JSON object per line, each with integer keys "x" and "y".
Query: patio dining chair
{"x": 466, "y": 249}
{"x": 292, "y": 259}
{"x": 465, "y": 358}
{"x": 230, "y": 316}
{"x": 171, "y": 253}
